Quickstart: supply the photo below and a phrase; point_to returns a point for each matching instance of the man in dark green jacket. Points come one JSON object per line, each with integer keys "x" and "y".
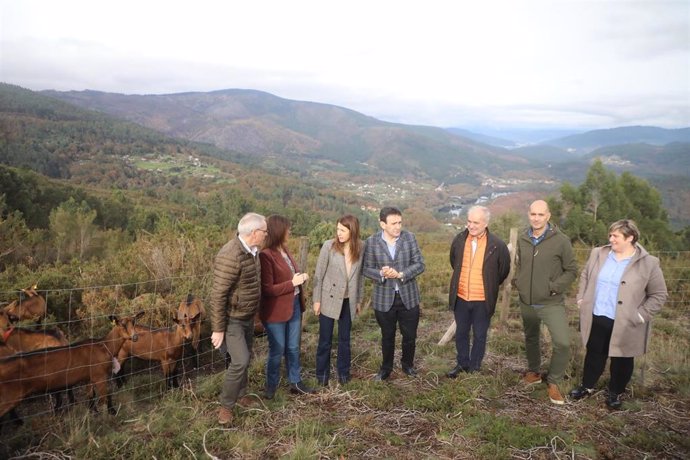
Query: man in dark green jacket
{"x": 545, "y": 270}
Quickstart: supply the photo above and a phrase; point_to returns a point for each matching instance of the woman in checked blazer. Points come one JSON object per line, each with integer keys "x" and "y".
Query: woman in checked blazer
{"x": 338, "y": 291}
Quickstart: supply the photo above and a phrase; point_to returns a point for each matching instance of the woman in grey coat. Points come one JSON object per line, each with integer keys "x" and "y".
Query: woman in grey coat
{"x": 621, "y": 288}
{"x": 338, "y": 291}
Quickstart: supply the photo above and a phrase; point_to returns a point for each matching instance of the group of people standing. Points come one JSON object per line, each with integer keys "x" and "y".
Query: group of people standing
{"x": 621, "y": 288}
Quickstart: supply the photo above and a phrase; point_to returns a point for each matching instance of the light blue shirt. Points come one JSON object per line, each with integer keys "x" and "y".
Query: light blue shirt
{"x": 538, "y": 239}
{"x": 391, "y": 247}
{"x": 608, "y": 281}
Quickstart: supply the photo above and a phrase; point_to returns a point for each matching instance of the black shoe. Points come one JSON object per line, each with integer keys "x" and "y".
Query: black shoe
{"x": 410, "y": 371}
{"x": 382, "y": 375}
{"x": 613, "y": 401}
{"x": 322, "y": 382}
{"x": 581, "y": 392}
{"x": 269, "y": 393}
{"x": 453, "y": 373}
{"x": 343, "y": 379}
{"x": 301, "y": 389}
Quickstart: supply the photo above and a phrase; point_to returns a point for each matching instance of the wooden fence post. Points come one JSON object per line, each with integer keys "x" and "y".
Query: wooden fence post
{"x": 303, "y": 257}
{"x": 303, "y": 253}
{"x": 504, "y": 304}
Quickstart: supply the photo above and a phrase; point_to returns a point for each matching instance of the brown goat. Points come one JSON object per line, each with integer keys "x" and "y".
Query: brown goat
{"x": 164, "y": 345}
{"x": 32, "y": 307}
{"x": 88, "y": 361}
{"x": 5, "y": 351}
{"x": 24, "y": 340}
{"x": 193, "y": 308}
{"x": 14, "y": 417}
{"x": 21, "y": 339}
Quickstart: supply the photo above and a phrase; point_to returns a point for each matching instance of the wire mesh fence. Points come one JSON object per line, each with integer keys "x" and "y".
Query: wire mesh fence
{"x": 79, "y": 316}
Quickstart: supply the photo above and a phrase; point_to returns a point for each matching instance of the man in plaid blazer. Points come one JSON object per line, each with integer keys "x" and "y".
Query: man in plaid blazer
{"x": 392, "y": 260}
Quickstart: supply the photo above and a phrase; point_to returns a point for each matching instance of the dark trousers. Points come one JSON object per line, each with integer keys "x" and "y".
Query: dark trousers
{"x": 471, "y": 316}
{"x": 597, "y": 352}
{"x": 323, "y": 351}
{"x": 408, "y": 321}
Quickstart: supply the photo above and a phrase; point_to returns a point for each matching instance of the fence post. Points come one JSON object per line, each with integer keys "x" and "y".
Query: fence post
{"x": 507, "y": 284}
{"x": 303, "y": 258}
{"x": 303, "y": 253}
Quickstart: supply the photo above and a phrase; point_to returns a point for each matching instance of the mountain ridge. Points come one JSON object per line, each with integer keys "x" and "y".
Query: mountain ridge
{"x": 260, "y": 124}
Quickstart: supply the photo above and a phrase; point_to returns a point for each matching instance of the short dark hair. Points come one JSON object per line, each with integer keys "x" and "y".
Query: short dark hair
{"x": 627, "y": 228}
{"x": 388, "y": 211}
{"x": 277, "y": 227}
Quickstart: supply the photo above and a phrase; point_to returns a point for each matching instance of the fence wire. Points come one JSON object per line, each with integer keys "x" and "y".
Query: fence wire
{"x": 82, "y": 313}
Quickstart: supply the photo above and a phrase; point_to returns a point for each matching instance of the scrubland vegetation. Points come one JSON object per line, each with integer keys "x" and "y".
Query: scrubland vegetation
{"x": 485, "y": 415}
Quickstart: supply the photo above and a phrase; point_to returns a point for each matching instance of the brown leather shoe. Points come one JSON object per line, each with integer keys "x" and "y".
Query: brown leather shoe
{"x": 531, "y": 378}
{"x": 555, "y": 394}
{"x": 225, "y": 415}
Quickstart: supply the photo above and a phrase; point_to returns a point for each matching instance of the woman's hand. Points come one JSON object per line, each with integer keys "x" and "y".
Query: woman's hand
{"x": 579, "y": 302}
{"x": 317, "y": 308}
{"x": 358, "y": 309}
{"x": 299, "y": 279}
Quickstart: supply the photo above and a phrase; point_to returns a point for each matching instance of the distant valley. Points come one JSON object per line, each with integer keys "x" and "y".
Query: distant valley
{"x": 427, "y": 167}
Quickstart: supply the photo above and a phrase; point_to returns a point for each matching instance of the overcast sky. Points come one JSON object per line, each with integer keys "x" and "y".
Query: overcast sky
{"x": 587, "y": 64}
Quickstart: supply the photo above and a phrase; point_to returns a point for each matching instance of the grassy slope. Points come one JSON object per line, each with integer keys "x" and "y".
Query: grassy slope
{"x": 485, "y": 415}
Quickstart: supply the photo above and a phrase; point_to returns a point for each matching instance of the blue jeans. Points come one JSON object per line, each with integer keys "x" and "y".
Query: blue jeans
{"x": 283, "y": 339}
{"x": 323, "y": 351}
{"x": 474, "y": 316}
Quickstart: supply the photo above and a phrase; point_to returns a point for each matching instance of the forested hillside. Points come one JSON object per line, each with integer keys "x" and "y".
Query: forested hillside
{"x": 591, "y": 140}
{"x": 55, "y": 158}
{"x": 313, "y": 136}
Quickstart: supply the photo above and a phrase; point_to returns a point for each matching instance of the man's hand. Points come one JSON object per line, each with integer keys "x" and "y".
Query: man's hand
{"x": 390, "y": 273}
{"x": 317, "y": 308}
{"x": 217, "y": 339}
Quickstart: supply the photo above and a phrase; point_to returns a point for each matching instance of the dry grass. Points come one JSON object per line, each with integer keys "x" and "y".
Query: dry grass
{"x": 485, "y": 415}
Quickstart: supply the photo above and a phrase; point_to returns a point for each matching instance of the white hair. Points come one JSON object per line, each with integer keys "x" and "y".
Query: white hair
{"x": 250, "y": 222}
{"x": 483, "y": 209}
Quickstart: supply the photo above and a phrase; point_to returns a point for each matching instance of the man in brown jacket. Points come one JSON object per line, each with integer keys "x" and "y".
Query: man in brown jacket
{"x": 235, "y": 298}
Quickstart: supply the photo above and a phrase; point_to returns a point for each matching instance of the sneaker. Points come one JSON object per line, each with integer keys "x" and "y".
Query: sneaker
{"x": 613, "y": 401}
{"x": 555, "y": 394}
{"x": 224, "y": 415}
{"x": 581, "y": 392}
{"x": 454, "y": 372}
{"x": 530, "y": 378}
{"x": 382, "y": 375}
{"x": 301, "y": 389}
{"x": 410, "y": 371}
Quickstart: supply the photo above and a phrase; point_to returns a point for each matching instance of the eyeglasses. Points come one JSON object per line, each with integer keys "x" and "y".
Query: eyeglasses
{"x": 262, "y": 230}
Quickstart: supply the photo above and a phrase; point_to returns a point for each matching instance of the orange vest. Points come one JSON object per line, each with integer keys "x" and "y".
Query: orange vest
{"x": 471, "y": 284}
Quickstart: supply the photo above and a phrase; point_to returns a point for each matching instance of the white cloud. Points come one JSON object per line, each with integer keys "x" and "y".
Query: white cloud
{"x": 434, "y": 62}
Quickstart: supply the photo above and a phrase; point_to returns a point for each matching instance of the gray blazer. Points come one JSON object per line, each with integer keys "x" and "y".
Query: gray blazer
{"x": 330, "y": 279}
{"x": 408, "y": 259}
